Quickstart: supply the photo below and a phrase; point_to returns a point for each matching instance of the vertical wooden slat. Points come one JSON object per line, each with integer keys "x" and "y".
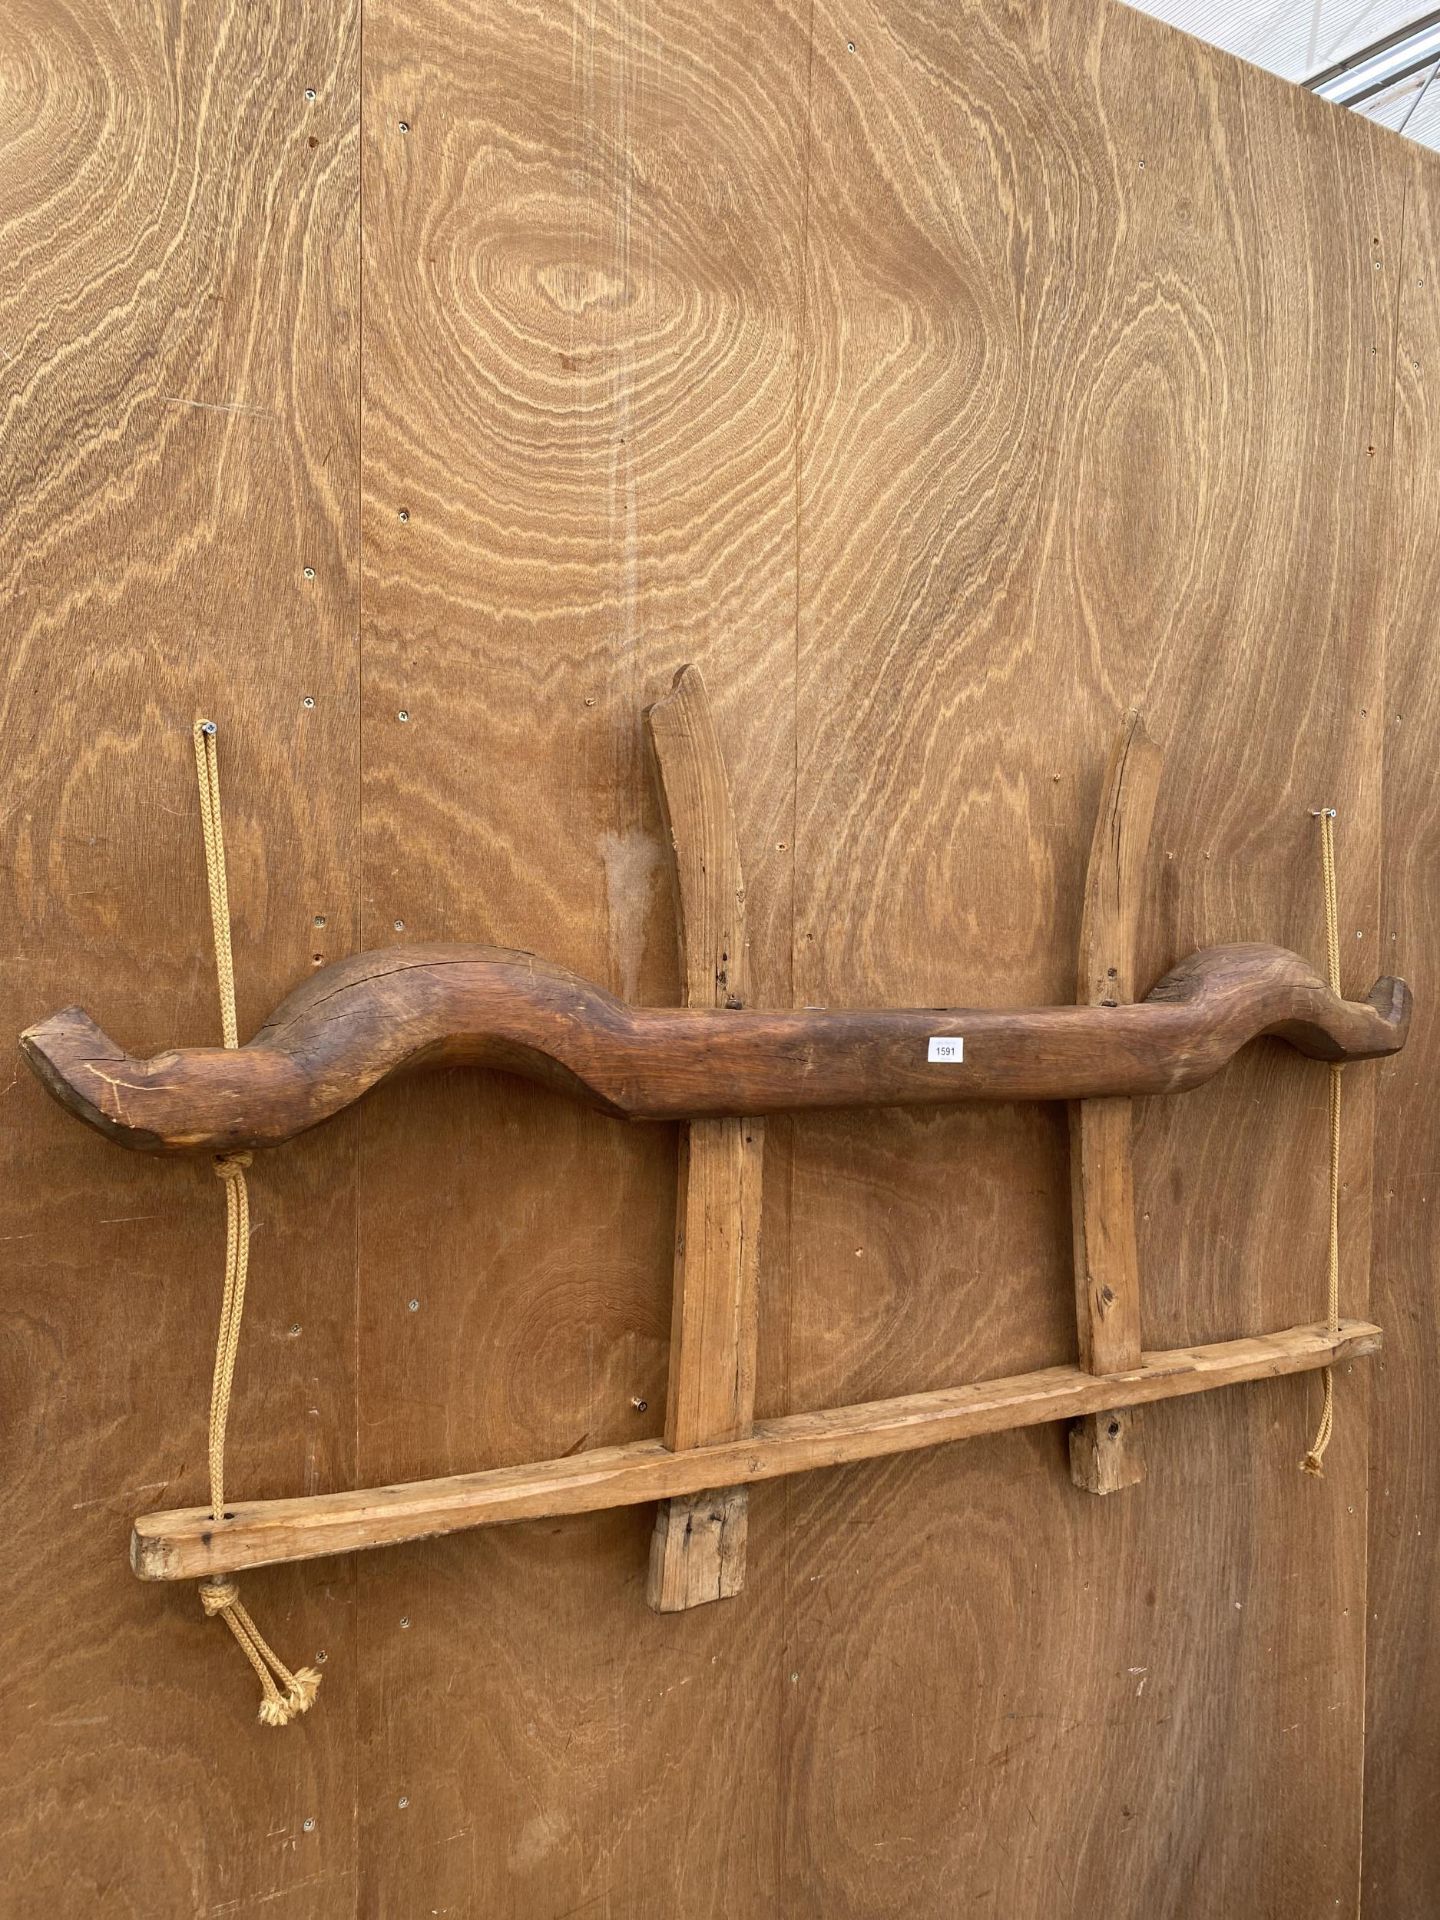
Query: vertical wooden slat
{"x": 1104, "y": 1456}
{"x": 698, "y": 1549}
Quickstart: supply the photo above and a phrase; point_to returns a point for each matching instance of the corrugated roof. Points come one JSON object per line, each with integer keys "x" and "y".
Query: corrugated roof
{"x": 1304, "y": 37}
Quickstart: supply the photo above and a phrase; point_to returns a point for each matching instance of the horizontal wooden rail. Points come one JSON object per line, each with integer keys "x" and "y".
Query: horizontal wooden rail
{"x": 189, "y": 1544}
{"x": 376, "y": 1014}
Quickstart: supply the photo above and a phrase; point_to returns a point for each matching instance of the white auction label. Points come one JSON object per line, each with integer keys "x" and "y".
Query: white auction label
{"x": 952, "y": 1051}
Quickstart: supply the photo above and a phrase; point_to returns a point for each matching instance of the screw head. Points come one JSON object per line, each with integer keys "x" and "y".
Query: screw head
{"x": 414, "y": 1306}
{"x": 404, "y": 1620}
{"x": 403, "y": 714}
{"x": 309, "y": 573}
{"x": 309, "y": 93}
{"x": 404, "y": 515}
{"x": 404, "y": 126}
{"x": 321, "y": 1657}
{"x": 308, "y": 702}
{"x": 308, "y": 1825}
{"x": 403, "y": 1801}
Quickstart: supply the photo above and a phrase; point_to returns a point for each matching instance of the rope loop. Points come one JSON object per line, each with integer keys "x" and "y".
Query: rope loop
{"x": 1312, "y": 1463}
{"x": 283, "y": 1694}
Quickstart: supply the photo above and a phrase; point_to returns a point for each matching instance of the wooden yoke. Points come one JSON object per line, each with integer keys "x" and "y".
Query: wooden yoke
{"x": 425, "y": 1008}
{"x": 698, "y": 1549}
{"x": 715, "y": 1065}
{"x": 1104, "y": 1455}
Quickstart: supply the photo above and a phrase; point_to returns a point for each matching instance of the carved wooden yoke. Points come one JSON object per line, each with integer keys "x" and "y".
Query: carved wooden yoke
{"x": 719, "y": 1066}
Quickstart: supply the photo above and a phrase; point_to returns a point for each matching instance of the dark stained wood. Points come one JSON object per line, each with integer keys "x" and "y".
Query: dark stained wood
{"x": 697, "y": 1553}
{"x": 429, "y": 1007}
{"x": 1104, "y": 1451}
{"x": 189, "y": 1545}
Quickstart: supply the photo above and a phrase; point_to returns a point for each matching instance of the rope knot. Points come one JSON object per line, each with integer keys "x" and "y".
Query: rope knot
{"x": 284, "y": 1695}
{"x": 230, "y": 1166}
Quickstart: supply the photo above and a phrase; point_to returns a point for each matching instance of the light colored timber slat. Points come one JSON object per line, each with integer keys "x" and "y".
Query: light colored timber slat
{"x": 1104, "y": 1447}
{"x": 697, "y": 1551}
{"x": 190, "y": 1543}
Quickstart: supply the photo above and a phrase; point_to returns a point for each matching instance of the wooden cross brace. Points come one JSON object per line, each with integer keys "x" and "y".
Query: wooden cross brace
{"x": 719, "y": 1066}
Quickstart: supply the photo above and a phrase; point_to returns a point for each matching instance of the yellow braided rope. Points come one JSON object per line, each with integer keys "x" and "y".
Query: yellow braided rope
{"x": 207, "y": 773}
{"x": 279, "y": 1703}
{"x": 1316, "y": 1454}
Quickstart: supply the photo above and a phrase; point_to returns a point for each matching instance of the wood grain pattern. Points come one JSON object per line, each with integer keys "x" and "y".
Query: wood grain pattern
{"x": 186, "y": 1545}
{"x": 1402, "y": 1855}
{"x": 582, "y": 297}
{"x": 1075, "y": 436}
{"x": 943, "y": 379}
{"x": 179, "y": 345}
{"x": 1104, "y": 1451}
{"x": 697, "y": 1553}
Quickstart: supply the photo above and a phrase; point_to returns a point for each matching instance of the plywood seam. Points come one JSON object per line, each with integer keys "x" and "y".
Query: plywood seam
{"x": 1395, "y": 481}
{"x": 787, "y": 1498}
{"x": 357, "y": 1575}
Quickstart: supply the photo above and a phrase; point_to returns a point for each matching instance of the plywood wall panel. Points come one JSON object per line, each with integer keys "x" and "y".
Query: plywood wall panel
{"x": 582, "y": 303}
{"x": 179, "y": 333}
{"x": 1402, "y": 1865}
{"x": 943, "y": 379}
{"x": 1041, "y": 342}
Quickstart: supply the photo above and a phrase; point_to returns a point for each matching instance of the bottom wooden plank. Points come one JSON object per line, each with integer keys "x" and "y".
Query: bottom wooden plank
{"x": 189, "y": 1544}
